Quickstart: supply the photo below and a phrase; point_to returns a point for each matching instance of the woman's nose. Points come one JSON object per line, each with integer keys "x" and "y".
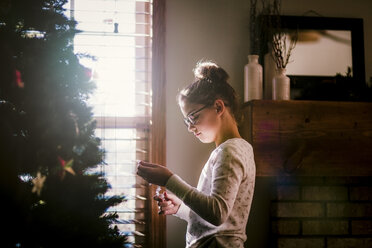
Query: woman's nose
{"x": 190, "y": 127}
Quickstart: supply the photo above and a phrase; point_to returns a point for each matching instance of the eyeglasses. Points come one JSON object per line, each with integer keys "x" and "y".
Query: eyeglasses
{"x": 191, "y": 119}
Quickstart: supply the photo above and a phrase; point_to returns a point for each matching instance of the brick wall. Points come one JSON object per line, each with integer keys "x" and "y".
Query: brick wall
{"x": 321, "y": 212}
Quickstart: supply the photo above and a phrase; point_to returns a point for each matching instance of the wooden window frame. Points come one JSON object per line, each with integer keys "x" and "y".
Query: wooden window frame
{"x": 157, "y": 223}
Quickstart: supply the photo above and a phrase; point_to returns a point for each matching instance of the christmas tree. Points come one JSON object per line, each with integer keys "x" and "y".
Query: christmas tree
{"x": 50, "y": 195}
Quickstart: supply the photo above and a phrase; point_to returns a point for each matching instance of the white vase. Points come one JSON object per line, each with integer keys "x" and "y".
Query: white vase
{"x": 252, "y": 79}
{"x": 281, "y": 85}
{"x": 269, "y": 74}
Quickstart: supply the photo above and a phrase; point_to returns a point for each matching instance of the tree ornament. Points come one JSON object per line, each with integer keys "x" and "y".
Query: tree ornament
{"x": 66, "y": 166}
{"x": 78, "y": 149}
{"x": 88, "y": 73}
{"x": 74, "y": 117}
{"x": 18, "y": 80}
{"x": 38, "y": 182}
{"x": 116, "y": 27}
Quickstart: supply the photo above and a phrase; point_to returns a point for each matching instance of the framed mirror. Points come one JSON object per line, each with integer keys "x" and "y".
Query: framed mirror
{"x": 328, "y": 51}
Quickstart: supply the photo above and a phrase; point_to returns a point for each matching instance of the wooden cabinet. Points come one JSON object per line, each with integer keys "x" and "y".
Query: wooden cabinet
{"x": 310, "y": 138}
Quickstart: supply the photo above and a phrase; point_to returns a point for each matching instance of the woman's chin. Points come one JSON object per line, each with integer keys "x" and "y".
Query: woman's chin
{"x": 204, "y": 140}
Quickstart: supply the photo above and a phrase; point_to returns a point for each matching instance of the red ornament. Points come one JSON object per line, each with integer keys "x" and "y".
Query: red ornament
{"x": 18, "y": 80}
{"x": 88, "y": 73}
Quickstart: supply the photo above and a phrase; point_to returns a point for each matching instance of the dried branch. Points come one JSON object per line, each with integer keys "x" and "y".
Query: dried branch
{"x": 257, "y": 25}
{"x": 280, "y": 51}
{"x": 254, "y": 35}
{"x": 268, "y": 30}
{"x": 293, "y": 41}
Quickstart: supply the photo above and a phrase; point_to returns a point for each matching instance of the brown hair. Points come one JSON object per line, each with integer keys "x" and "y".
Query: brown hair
{"x": 210, "y": 84}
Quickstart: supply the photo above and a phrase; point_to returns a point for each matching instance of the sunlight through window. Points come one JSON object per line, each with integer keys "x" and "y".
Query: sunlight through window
{"x": 117, "y": 34}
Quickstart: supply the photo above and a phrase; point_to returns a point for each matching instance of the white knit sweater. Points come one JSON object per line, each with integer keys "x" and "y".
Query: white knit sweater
{"x": 220, "y": 205}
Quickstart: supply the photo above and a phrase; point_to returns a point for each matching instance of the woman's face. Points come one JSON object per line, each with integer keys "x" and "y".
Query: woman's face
{"x": 201, "y": 120}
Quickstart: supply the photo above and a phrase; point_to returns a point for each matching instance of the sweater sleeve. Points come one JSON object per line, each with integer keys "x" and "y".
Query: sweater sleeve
{"x": 183, "y": 212}
{"x": 215, "y": 207}
{"x": 174, "y": 183}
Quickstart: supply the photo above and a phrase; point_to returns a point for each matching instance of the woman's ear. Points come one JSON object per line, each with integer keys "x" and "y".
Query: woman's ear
{"x": 219, "y": 105}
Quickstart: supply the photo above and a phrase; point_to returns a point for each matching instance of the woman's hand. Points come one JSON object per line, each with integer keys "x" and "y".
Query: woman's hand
{"x": 169, "y": 204}
{"x": 153, "y": 173}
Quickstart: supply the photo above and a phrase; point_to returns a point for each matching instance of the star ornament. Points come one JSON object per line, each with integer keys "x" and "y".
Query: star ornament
{"x": 66, "y": 166}
{"x": 38, "y": 182}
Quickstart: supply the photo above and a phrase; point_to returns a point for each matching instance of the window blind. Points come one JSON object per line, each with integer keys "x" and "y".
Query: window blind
{"x": 118, "y": 36}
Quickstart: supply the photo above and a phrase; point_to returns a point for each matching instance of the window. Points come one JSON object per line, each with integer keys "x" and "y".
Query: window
{"x": 118, "y": 34}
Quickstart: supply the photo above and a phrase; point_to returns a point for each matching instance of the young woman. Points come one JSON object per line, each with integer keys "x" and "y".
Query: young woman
{"x": 217, "y": 210}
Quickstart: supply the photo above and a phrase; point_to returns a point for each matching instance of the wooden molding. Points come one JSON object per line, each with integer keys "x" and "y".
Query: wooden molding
{"x": 157, "y": 223}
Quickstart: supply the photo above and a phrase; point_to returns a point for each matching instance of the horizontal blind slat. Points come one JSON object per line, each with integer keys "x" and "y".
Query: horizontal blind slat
{"x": 97, "y": 33}
{"x": 126, "y": 210}
{"x": 129, "y": 221}
{"x": 123, "y": 122}
{"x": 132, "y": 233}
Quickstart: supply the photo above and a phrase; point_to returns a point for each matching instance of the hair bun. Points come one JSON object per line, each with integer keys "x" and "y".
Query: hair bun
{"x": 210, "y": 71}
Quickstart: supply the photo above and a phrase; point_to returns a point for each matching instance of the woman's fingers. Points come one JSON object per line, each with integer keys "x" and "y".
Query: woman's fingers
{"x": 170, "y": 197}
{"x": 147, "y": 164}
{"x": 158, "y": 198}
{"x": 144, "y": 171}
{"x": 141, "y": 173}
{"x": 164, "y": 204}
{"x": 169, "y": 209}
{"x": 153, "y": 173}
{"x": 169, "y": 204}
